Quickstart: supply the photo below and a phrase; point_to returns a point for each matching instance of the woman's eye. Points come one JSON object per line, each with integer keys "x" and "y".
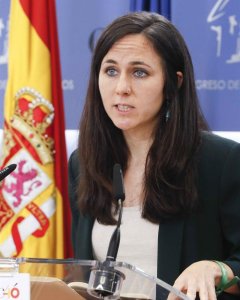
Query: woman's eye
{"x": 140, "y": 73}
{"x": 111, "y": 72}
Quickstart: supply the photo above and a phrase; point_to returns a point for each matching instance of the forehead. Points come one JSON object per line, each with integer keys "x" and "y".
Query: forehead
{"x": 135, "y": 44}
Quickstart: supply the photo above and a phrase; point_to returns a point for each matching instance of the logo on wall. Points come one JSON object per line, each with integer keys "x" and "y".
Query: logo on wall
{"x": 92, "y": 41}
{"x": 224, "y": 20}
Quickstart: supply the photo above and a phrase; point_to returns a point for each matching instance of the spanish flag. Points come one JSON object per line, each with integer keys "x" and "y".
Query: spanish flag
{"x": 34, "y": 212}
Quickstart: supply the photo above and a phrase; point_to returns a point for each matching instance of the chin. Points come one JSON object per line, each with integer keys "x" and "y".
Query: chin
{"x": 123, "y": 127}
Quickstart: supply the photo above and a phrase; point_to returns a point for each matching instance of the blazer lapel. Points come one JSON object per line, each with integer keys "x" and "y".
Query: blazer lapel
{"x": 170, "y": 238}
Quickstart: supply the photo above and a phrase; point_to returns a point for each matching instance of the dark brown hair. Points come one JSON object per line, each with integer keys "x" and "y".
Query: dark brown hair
{"x": 170, "y": 187}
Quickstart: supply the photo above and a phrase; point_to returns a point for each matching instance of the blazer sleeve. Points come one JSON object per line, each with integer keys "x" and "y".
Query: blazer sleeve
{"x": 230, "y": 207}
{"x": 73, "y": 178}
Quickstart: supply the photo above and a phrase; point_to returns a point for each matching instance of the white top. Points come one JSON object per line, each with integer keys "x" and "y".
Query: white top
{"x": 138, "y": 243}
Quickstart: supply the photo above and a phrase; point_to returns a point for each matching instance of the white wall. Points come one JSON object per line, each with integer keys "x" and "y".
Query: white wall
{"x": 72, "y": 138}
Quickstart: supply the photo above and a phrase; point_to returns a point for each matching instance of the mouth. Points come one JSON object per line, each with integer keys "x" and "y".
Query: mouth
{"x": 123, "y": 107}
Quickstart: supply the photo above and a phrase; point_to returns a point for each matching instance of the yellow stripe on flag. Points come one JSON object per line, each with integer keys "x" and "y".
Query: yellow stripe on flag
{"x": 29, "y": 59}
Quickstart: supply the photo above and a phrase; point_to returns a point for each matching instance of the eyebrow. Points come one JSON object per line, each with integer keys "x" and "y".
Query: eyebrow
{"x": 137, "y": 62}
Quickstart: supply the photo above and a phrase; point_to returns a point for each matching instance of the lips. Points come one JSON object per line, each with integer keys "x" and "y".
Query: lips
{"x": 124, "y": 107}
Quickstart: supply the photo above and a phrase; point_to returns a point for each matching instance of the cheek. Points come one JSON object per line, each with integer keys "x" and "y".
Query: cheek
{"x": 104, "y": 87}
{"x": 102, "y": 91}
{"x": 153, "y": 89}
{"x": 100, "y": 85}
{"x": 154, "y": 97}
{"x": 152, "y": 103}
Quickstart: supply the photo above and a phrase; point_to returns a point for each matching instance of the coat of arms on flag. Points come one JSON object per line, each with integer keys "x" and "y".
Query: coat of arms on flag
{"x": 34, "y": 213}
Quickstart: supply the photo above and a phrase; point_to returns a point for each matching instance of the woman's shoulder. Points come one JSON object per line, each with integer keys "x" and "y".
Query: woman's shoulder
{"x": 74, "y": 164}
{"x": 218, "y": 155}
{"x": 216, "y": 149}
{"x": 74, "y": 156}
{"x": 214, "y": 142}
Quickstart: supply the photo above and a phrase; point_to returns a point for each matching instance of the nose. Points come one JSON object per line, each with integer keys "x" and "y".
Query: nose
{"x": 123, "y": 86}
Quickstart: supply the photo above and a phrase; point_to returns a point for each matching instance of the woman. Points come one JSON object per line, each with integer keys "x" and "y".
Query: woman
{"x": 182, "y": 184}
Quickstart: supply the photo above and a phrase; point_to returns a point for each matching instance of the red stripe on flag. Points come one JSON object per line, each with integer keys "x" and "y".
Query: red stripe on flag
{"x": 38, "y": 13}
{"x": 59, "y": 129}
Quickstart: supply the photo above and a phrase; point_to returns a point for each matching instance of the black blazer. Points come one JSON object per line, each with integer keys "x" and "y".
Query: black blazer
{"x": 211, "y": 234}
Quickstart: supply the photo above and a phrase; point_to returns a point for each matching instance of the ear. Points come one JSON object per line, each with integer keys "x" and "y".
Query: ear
{"x": 180, "y": 78}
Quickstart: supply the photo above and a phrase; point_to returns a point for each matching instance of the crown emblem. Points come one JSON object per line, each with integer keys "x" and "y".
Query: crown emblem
{"x": 33, "y": 118}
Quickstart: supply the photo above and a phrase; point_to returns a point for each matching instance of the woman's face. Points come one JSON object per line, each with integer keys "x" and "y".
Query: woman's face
{"x": 131, "y": 82}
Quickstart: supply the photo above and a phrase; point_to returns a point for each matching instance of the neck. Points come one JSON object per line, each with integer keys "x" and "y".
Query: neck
{"x": 138, "y": 147}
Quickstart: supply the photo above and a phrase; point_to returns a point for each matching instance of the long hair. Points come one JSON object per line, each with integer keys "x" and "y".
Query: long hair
{"x": 170, "y": 181}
